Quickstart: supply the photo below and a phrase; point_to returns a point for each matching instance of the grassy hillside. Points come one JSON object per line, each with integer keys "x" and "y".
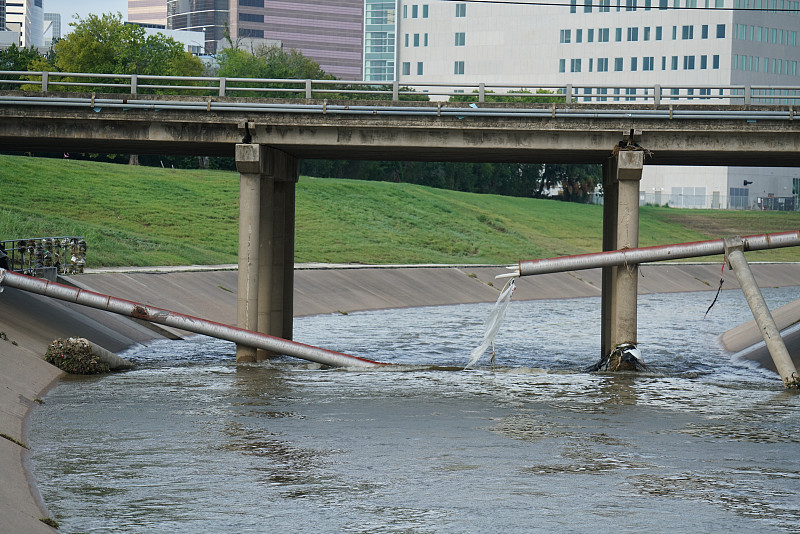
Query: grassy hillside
{"x": 149, "y": 216}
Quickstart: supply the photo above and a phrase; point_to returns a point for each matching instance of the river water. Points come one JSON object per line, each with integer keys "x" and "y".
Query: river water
{"x": 192, "y": 442}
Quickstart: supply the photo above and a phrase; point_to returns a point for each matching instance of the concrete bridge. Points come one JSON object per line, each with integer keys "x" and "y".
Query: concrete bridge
{"x": 268, "y": 137}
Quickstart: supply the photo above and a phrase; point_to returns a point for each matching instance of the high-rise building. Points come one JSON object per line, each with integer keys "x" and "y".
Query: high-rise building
{"x": 330, "y": 32}
{"x": 379, "y": 40}
{"x": 148, "y": 12}
{"x": 685, "y": 46}
{"x": 27, "y": 18}
{"x": 52, "y": 28}
{"x": 2, "y": 15}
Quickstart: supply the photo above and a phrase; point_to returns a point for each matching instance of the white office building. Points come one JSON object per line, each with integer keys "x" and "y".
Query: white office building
{"x": 26, "y": 17}
{"x": 688, "y": 43}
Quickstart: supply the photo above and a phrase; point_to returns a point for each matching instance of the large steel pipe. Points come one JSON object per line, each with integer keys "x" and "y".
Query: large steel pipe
{"x": 184, "y": 322}
{"x": 648, "y": 254}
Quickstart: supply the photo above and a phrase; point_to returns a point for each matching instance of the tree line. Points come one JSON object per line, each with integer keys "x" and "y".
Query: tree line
{"x": 105, "y": 44}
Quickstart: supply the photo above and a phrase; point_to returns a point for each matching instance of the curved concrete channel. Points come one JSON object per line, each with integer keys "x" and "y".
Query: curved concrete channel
{"x": 30, "y": 322}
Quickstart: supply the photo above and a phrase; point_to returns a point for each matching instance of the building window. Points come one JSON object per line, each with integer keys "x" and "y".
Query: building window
{"x": 416, "y": 39}
{"x": 659, "y": 32}
{"x": 662, "y": 4}
{"x": 406, "y": 40}
{"x": 663, "y": 62}
{"x": 647, "y": 63}
{"x": 688, "y": 62}
{"x": 591, "y": 64}
{"x": 419, "y": 68}
{"x": 605, "y": 6}
{"x": 704, "y": 31}
{"x": 587, "y": 6}
{"x": 251, "y": 3}
{"x": 461, "y": 38}
{"x": 602, "y": 64}
{"x": 425, "y": 40}
{"x": 590, "y": 35}
{"x": 674, "y": 62}
{"x": 703, "y": 62}
{"x": 715, "y": 61}
{"x": 562, "y": 65}
{"x": 248, "y": 32}
{"x": 578, "y": 36}
{"x": 720, "y": 31}
{"x": 405, "y": 11}
{"x": 461, "y": 10}
{"x": 575, "y": 65}
{"x": 602, "y": 35}
{"x": 618, "y": 64}
{"x": 618, "y": 34}
{"x": 687, "y": 32}
{"x": 634, "y": 64}
{"x": 414, "y": 11}
{"x": 646, "y": 33}
{"x": 406, "y": 68}
{"x": 573, "y": 6}
{"x": 249, "y": 17}
{"x": 459, "y": 67}
{"x": 633, "y": 34}
{"x": 674, "y": 33}
{"x": 630, "y": 5}
{"x": 566, "y": 36}
{"x": 425, "y": 11}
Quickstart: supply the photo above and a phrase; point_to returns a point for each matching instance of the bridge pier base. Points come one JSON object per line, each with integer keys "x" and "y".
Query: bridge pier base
{"x": 266, "y": 244}
{"x": 622, "y": 174}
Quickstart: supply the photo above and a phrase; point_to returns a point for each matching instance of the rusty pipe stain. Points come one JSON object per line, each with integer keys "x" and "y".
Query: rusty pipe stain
{"x": 183, "y": 322}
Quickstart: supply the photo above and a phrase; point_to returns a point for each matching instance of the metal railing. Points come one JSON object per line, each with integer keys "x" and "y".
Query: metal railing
{"x": 43, "y": 256}
{"x": 656, "y": 95}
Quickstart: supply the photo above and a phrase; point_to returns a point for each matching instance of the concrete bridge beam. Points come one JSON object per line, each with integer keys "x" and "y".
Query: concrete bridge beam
{"x": 266, "y": 243}
{"x": 622, "y": 174}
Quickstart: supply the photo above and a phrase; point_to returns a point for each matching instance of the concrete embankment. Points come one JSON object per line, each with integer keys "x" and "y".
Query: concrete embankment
{"x": 33, "y": 321}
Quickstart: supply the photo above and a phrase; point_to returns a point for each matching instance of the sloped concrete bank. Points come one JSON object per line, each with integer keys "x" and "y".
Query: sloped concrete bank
{"x": 31, "y": 322}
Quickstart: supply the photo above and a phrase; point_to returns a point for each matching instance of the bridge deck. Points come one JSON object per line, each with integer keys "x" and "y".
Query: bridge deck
{"x": 428, "y": 131}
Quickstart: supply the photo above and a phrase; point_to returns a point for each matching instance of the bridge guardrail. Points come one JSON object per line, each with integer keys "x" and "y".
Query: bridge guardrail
{"x": 657, "y": 94}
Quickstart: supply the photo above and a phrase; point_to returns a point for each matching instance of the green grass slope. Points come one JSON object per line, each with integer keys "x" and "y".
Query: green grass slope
{"x": 142, "y": 216}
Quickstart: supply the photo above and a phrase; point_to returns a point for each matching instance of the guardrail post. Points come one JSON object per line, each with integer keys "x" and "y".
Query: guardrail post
{"x": 657, "y": 95}
{"x": 734, "y": 255}
{"x": 482, "y": 92}
{"x": 568, "y": 94}
{"x": 222, "y": 87}
{"x": 308, "y": 89}
{"x": 748, "y": 95}
{"x": 45, "y": 79}
{"x": 396, "y": 91}
{"x": 134, "y": 84}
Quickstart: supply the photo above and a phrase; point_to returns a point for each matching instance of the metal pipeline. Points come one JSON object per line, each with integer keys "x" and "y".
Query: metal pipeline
{"x": 647, "y": 254}
{"x": 184, "y": 322}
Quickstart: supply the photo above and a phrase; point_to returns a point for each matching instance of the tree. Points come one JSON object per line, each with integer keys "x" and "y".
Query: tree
{"x": 576, "y": 181}
{"x": 19, "y": 59}
{"x": 104, "y": 44}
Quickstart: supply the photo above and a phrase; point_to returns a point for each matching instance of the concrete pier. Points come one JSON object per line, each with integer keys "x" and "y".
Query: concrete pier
{"x": 621, "y": 176}
{"x": 266, "y": 243}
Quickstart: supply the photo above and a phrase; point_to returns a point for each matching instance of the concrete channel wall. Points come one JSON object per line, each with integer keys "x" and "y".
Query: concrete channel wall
{"x": 30, "y": 322}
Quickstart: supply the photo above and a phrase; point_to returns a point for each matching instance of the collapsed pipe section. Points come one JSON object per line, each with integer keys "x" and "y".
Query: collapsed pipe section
{"x": 184, "y": 322}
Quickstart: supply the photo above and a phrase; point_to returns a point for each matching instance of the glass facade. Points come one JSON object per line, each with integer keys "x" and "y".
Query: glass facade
{"x": 380, "y": 30}
{"x": 208, "y": 16}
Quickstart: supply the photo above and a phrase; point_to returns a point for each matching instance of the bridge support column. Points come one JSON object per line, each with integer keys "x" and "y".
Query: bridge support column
{"x": 266, "y": 244}
{"x": 622, "y": 174}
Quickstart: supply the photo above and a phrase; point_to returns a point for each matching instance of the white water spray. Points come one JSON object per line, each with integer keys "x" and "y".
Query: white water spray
{"x": 493, "y": 323}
